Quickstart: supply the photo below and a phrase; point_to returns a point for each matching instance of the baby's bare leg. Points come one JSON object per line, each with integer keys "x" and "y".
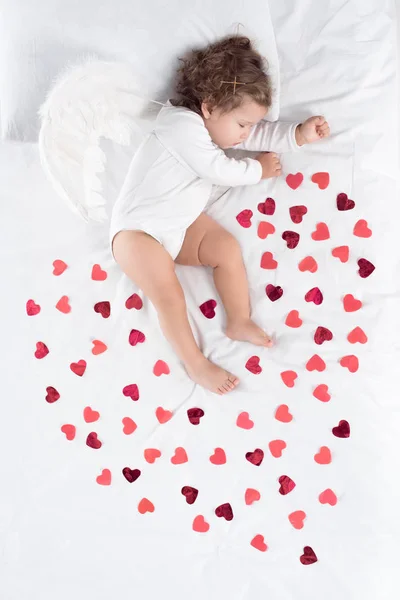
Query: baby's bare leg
{"x": 146, "y": 263}
{"x": 207, "y": 243}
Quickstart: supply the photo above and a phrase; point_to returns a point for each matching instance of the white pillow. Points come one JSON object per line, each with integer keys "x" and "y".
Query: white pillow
{"x": 37, "y": 41}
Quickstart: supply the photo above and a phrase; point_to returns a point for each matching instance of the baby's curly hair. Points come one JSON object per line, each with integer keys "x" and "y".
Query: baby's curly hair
{"x": 203, "y": 70}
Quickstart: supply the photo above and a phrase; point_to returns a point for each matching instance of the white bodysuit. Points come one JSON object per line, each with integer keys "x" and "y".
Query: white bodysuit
{"x": 172, "y": 173}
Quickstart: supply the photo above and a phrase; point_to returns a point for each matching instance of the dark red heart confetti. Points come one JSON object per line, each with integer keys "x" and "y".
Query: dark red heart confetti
{"x": 41, "y": 350}
{"x": 256, "y": 457}
{"x": 136, "y": 337}
{"x": 253, "y": 365}
{"x": 291, "y": 238}
{"x": 309, "y": 557}
{"x": 32, "y": 308}
{"x": 131, "y": 391}
{"x": 314, "y": 295}
{"x": 92, "y": 441}
{"x": 366, "y": 268}
{"x": 190, "y": 494}
{"x": 52, "y": 395}
{"x": 274, "y": 292}
{"x": 267, "y": 207}
{"x": 297, "y": 213}
{"x": 131, "y": 474}
{"x": 244, "y": 218}
{"x": 103, "y": 308}
{"x": 207, "y": 308}
{"x": 344, "y": 203}
{"x": 287, "y": 485}
{"x": 342, "y": 430}
{"x": 321, "y": 335}
{"x": 194, "y": 415}
{"x": 224, "y": 510}
{"x": 134, "y": 301}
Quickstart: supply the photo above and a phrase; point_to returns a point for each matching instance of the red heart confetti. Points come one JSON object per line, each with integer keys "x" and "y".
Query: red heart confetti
{"x": 316, "y": 364}
{"x": 308, "y": 264}
{"x": 323, "y": 457}
{"x": 41, "y": 350}
{"x": 297, "y": 519}
{"x": 321, "y": 393}
{"x": 92, "y": 441}
{"x": 52, "y": 395}
{"x": 357, "y": 335}
{"x": 276, "y": 448}
{"x": 131, "y": 475}
{"x": 344, "y": 203}
{"x": 63, "y": 305}
{"x": 136, "y": 337}
{"x": 253, "y": 365}
{"x": 103, "y": 308}
{"x": 129, "y": 425}
{"x": 293, "y": 319}
{"x": 256, "y": 457}
{"x": 59, "y": 267}
{"x": 321, "y": 179}
{"x": 328, "y": 497}
{"x": 351, "y": 304}
{"x": 179, "y": 457}
{"x": 282, "y": 414}
{"x": 90, "y": 415}
{"x": 258, "y": 543}
{"x": 297, "y": 213}
{"x": 163, "y": 416}
{"x": 342, "y": 253}
{"x": 69, "y": 430}
{"x": 350, "y": 362}
{"x": 274, "y": 292}
{"x": 104, "y": 478}
{"x": 321, "y": 233}
{"x": 321, "y": 335}
{"x": 145, "y": 506}
{"x": 288, "y": 378}
{"x": 194, "y": 415}
{"x": 314, "y": 295}
{"x": 309, "y": 557}
{"x": 291, "y": 238}
{"x": 131, "y": 391}
{"x": 244, "y": 422}
{"x": 161, "y": 368}
{"x": 366, "y": 268}
{"x": 287, "y": 485}
{"x": 251, "y": 496}
{"x": 225, "y": 511}
{"x": 268, "y": 262}
{"x": 265, "y": 229}
{"x": 98, "y": 274}
{"x": 267, "y": 207}
{"x": 200, "y": 524}
{"x": 361, "y": 229}
{"x": 294, "y": 180}
{"x": 134, "y": 301}
{"x": 98, "y": 347}
{"x": 78, "y": 368}
{"x": 151, "y": 455}
{"x": 244, "y": 218}
{"x": 208, "y": 308}
{"x": 219, "y": 457}
{"x": 190, "y": 494}
{"x": 32, "y": 308}
{"x": 342, "y": 430}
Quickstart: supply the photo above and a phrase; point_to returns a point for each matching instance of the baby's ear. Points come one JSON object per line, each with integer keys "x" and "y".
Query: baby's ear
{"x": 206, "y": 109}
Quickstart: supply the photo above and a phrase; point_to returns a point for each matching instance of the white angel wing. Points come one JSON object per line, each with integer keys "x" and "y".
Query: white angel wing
{"x": 89, "y": 101}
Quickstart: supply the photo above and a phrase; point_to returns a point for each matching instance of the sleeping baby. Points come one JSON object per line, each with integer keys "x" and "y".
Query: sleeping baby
{"x": 222, "y": 95}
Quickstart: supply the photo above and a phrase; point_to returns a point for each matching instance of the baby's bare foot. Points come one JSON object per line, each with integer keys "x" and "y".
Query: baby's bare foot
{"x": 211, "y": 377}
{"x": 248, "y": 331}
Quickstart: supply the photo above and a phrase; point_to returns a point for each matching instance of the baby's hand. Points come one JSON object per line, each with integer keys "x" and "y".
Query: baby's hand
{"x": 271, "y": 166}
{"x": 312, "y": 130}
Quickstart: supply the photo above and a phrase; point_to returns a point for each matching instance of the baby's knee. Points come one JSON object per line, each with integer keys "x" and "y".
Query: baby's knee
{"x": 228, "y": 249}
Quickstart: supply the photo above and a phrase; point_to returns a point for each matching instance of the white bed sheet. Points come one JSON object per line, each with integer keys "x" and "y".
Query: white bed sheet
{"x": 61, "y": 533}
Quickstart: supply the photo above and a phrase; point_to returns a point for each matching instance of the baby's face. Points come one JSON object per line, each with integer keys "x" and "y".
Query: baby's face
{"x": 234, "y": 127}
